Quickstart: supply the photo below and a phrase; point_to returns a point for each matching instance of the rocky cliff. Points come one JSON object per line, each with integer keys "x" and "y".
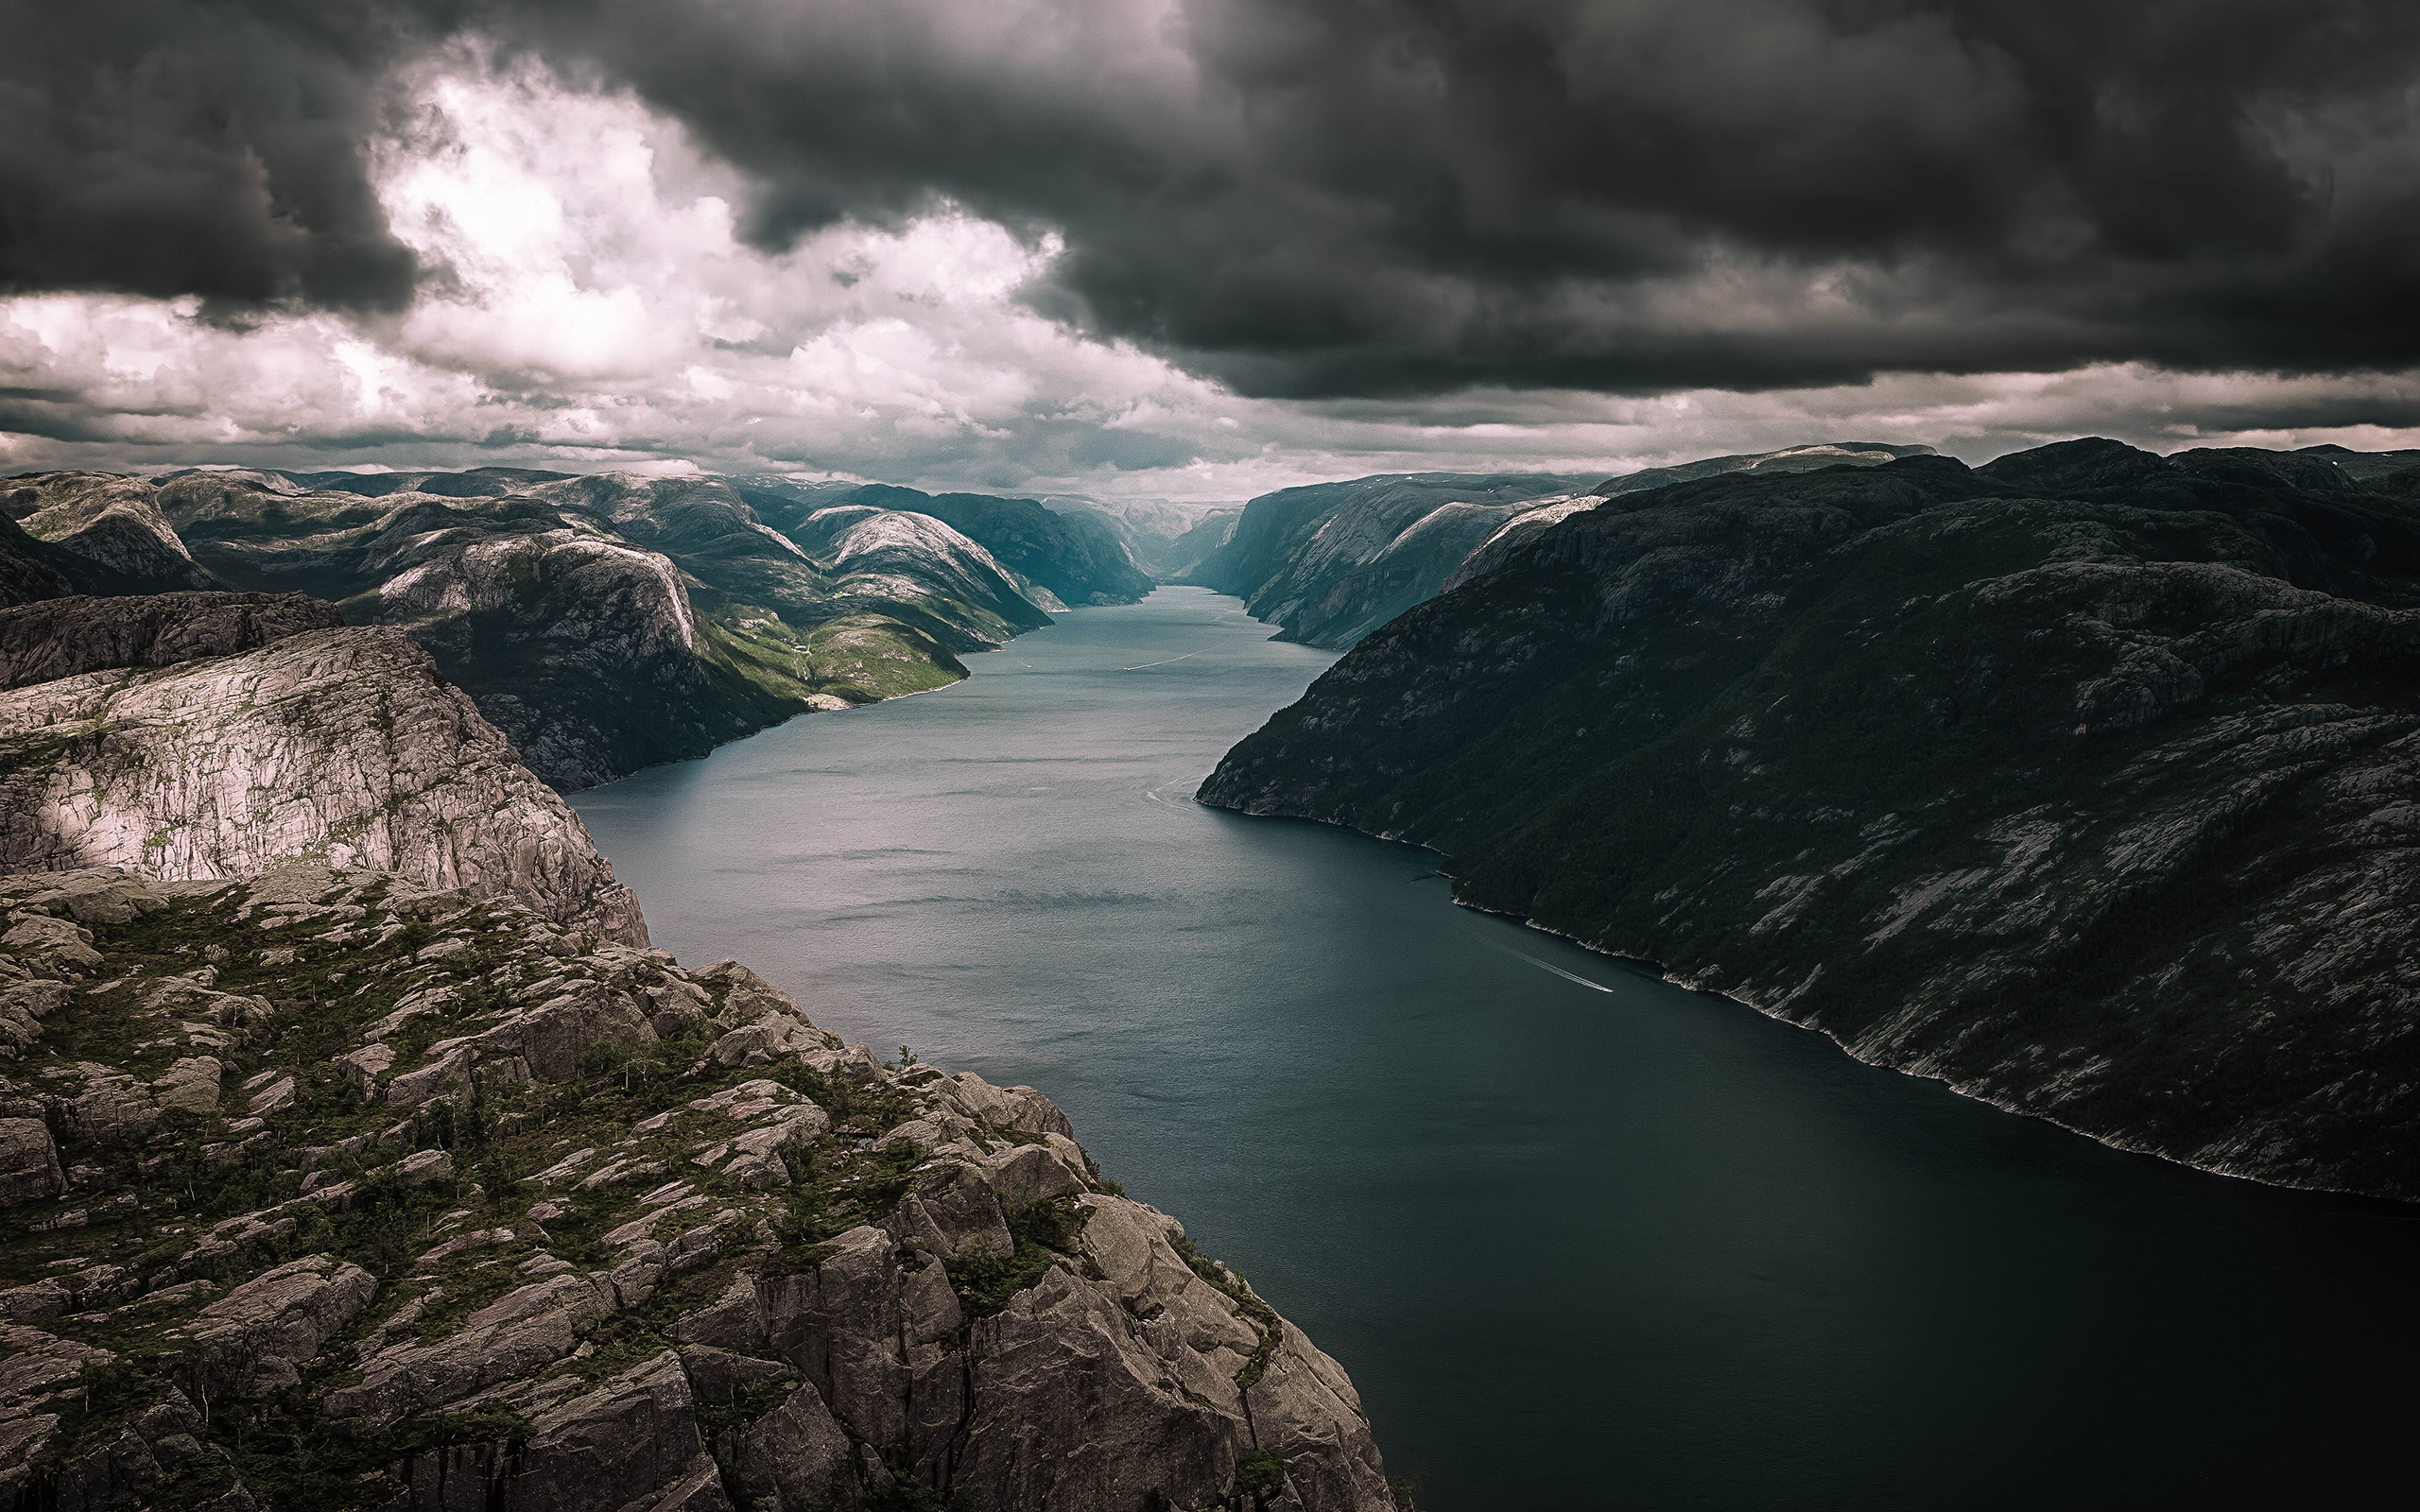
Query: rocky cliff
{"x": 1329, "y": 563}
{"x": 1309, "y": 560}
{"x": 341, "y": 742}
{"x": 326, "y": 1188}
{"x": 2088, "y": 782}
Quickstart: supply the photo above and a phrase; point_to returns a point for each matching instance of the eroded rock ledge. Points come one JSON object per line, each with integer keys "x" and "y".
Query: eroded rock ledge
{"x": 490, "y": 1213}
{"x": 341, "y": 742}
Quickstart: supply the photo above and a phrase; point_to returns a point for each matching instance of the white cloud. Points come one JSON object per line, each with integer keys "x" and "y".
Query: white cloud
{"x": 591, "y": 306}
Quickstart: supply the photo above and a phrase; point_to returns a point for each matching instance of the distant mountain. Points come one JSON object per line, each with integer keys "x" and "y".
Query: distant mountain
{"x": 1151, "y": 528}
{"x": 104, "y": 534}
{"x": 2087, "y": 781}
{"x": 1329, "y": 563}
{"x": 604, "y": 622}
{"x": 1809, "y": 458}
{"x": 1079, "y": 557}
{"x": 1315, "y": 561}
{"x": 2368, "y": 466}
{"x": 1184, "y": 554}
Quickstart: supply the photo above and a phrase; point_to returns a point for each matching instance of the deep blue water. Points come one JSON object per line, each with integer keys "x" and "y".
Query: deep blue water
{"x": 1621, "y": 1245}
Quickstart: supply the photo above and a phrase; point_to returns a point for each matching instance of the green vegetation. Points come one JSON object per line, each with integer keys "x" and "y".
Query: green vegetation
{"x": 1258, "y": 1474}
{"x": 1045, "y": 1232}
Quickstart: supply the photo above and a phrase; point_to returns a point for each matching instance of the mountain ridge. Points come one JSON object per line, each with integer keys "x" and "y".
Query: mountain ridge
{"x": 1987, "y": 774}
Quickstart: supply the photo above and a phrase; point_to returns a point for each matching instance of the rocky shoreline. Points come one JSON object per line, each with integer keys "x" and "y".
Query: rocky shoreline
{"x": 2082, "y": 782}
{"x": 356, "y": 1152}
{"x": 492, "y": 1209}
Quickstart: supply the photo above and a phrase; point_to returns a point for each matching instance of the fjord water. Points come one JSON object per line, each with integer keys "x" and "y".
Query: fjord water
{"x": 1583, "y": 1239}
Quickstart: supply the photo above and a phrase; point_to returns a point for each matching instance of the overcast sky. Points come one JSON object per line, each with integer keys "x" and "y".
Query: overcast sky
{"x": 1197, "y": 248}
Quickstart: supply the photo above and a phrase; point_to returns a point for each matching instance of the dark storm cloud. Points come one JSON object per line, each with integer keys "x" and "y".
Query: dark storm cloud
{"x": 1339, "y": 196}
{"x": 167, "y": 149}
{"x": 1372, "y": 196}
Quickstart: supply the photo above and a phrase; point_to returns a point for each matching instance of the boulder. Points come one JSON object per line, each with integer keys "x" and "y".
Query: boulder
{"x": 1026, "y": 1174}
{"x": 551, "y": 1036}
{"x": 192, "y": 1085}
{"x": 952, "y": 1208}
{"x": 1009, "y": 1108}
{"x": 252, "y": 1339}
{"x": 22, "y": 1007}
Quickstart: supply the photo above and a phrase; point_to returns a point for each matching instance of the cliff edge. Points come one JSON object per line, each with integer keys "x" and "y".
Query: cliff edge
{"x": 344, "y": 744}
{"x": 326, "y": 1189}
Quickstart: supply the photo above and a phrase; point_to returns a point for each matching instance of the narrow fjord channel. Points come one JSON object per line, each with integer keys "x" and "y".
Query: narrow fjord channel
{"x": 1583, "y": 1239}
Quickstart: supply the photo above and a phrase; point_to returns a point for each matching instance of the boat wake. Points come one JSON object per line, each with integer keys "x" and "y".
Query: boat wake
{"x": 1548, "y": 966}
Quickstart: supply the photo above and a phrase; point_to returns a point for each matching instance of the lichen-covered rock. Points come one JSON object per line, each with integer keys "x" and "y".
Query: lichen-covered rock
{"x": 577, "y": 1262}
{"x": 252, "y": 1339}
{"x": 339, "y": 747}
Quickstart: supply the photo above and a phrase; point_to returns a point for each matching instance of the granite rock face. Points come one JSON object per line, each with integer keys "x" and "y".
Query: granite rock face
{"x": 62, "y": 637}
{"x": 343, "y": 745}
{"x": 648, "y": 1237}
{"x": 2088, "y": 782}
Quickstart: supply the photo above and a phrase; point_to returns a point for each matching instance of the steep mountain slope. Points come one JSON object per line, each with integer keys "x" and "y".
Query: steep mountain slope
{"x": 1077, "y": 556}
{"x": 27, "y": 570}
{"x": 328, "y": 1190}
{"x": 106, "y": 533}
{"x": 276, "y": 740}
{"x": 609, "y": 622}
{"x": 2088, "y": 782}
{"x": 1330, "y": 563}
{"x": 1184, "y": 556}
{"x": 62, "y": 637}
{"x": 1305, "y": 560}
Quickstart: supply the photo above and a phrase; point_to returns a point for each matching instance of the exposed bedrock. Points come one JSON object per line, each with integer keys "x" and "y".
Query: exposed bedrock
{"x": 342, "y": 745}
{"x": 494, "y": 1215}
